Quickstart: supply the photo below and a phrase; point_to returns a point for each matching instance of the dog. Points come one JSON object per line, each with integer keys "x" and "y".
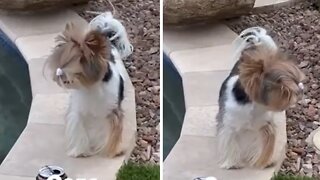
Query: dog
{"x": 263, "y": 82}
{"x": 85, "y": 62}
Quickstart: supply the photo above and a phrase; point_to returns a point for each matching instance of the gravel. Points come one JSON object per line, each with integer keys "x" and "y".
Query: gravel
{"x": 142, "y": 21}
{"x": 296, "y": 29}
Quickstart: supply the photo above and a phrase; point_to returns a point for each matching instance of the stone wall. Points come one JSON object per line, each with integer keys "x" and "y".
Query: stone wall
{"x": 31, "y": 5}
{"x": 191, "y": 11}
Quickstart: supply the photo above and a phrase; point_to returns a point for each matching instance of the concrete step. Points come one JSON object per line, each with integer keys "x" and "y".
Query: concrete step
{"x": 183, "y": 38}
{"x": 261, "y": 6}
{"x": 214, "y": 58}
{"x": 202, "y": 88}
{"x": 23, "y": 25}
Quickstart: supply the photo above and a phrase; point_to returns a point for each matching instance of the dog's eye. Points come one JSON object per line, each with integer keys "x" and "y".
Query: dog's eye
{"x": 78, "y": 74}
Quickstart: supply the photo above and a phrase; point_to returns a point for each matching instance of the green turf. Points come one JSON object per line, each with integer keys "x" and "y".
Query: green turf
{"x": 133, "y": 171}
{"x": 291, "y": 177}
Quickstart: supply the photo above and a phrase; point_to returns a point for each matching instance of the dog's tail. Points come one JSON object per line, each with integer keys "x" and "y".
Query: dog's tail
{"x": 115, "y": 31}
{"x": 254, "y": 36}
{"x": 115, "y": 136}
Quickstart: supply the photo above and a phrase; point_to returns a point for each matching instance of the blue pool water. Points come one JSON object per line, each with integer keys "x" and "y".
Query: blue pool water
{"x": 15, "y": 95}
{"x": 173, "y": 105}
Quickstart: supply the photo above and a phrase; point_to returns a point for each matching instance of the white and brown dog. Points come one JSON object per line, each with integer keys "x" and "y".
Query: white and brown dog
{"x": 262, "y": 83}
{"x": 85, "y": 61}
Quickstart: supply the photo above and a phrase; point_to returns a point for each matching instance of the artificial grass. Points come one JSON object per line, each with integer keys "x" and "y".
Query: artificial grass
{"x": 291, "y": 177}
{"x": 132, "y": 171}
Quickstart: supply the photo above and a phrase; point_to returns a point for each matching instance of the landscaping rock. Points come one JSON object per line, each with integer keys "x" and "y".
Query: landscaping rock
{"x": 194, "y": 11}
{"x": 31, "y": 5}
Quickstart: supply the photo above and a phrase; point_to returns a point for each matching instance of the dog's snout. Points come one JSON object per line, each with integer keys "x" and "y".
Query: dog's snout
{"x": 63, "y": 77}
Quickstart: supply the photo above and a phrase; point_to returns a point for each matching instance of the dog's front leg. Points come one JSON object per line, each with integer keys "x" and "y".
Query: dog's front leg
{"x": 228, "y": 148}
{"x": 78, "y": 144}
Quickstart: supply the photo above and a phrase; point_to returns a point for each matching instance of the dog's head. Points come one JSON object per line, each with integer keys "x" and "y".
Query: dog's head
{"x": 271, "y": 79}
{"x": 80, "y": 58}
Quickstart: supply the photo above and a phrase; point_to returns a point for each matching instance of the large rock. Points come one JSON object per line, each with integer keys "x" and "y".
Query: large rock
{"x": 30, "y": 5}
{"x": 192, "y": 11}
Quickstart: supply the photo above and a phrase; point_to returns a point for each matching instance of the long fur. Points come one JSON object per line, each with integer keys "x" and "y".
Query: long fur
{"x": 268, "y": 137}
{"x": 86, "y": 61}
{"x": 116, "y": 134}
{"x": 263, "y": 82}
{"x": 113, "y": 28}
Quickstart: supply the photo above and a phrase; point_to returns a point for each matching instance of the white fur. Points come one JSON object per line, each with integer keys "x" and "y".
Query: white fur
{"x": 239, "y": 139}
{"x": 106, "y": 23}
{"x": 87, "y": 123}
{"x": 259, "y": 37}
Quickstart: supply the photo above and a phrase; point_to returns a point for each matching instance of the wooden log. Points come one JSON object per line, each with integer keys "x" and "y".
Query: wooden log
{"x": 181, "y": 12}
{"x": 33, "y": 5}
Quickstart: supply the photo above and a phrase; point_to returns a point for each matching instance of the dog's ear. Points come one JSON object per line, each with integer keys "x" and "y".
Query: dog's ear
{"x": 251, "y": 71}
{"x": 69, "y": 26}
{"x": 68, "y": 31}
{"x": 95, "y": 44}
{"x": 71, "y": 33}
{"x": 93, "y": 70}
{"x": 95, "y": 49}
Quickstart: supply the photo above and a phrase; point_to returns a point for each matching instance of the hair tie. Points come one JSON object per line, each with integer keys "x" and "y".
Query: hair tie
{"x": 59, "y": 72}
{"x": 301, "y": 85}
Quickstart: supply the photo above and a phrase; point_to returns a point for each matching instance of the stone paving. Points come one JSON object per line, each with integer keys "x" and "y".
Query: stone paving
{"x": 42, "y": 141}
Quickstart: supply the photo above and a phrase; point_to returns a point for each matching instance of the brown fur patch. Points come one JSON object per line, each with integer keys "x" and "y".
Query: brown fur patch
{"x": 82, "y": 55}
{"x": 270, "y": 79}
{"x": 115, "y": 138}
{"x": 268, "y": 136}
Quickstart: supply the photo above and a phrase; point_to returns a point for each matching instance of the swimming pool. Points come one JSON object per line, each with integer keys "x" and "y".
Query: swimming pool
{"x": 15, "y": 94}
{"x": 173, "y": 105}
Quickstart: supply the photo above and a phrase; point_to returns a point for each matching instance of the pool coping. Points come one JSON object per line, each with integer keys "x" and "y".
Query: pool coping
{"x": 33, "y": 34}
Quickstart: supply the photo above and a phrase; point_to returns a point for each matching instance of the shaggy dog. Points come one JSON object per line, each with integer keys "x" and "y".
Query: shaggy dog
{"x": 85, "y": 61}
{"x": 263, "y": 82}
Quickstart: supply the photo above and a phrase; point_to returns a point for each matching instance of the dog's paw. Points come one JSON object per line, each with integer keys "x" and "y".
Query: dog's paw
{"x": 77, "y": 154}
{"x": 115, "y": 153}
{"x": 74, "y": 154}
{"x": 228, "y": 165}
{"x": 272, "y": 164}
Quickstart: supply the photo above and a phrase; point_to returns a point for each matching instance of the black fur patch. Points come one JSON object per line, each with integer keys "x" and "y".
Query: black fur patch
{"x": 112, "y": 58}
{"x": 121, "y": 90}
{"x": 239, "y": 94}
{"x": 108, "y": 75}
{"x": 248, "y": 34}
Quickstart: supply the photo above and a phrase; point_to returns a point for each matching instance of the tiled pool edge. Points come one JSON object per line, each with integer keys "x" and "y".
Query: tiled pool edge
{"x": 34, "y": 37}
